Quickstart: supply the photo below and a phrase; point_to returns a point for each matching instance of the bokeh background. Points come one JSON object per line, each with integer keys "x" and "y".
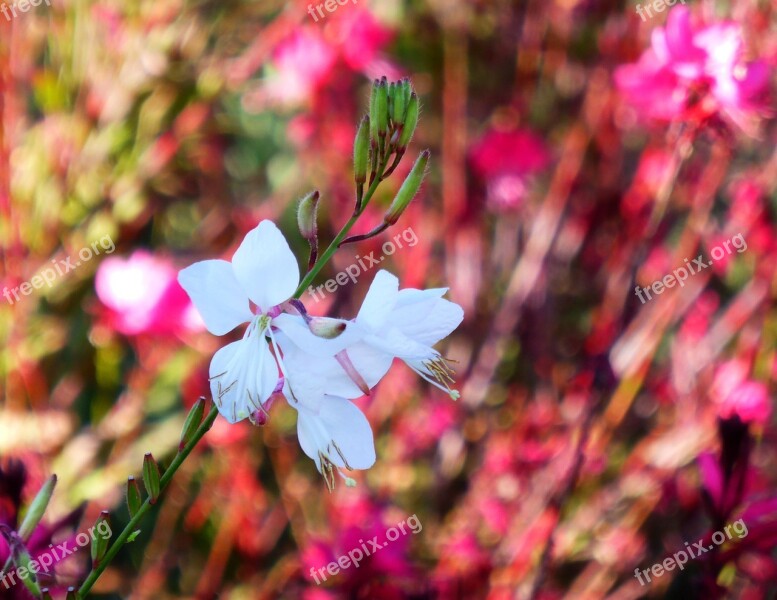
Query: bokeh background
{"x": 596, "y": 434}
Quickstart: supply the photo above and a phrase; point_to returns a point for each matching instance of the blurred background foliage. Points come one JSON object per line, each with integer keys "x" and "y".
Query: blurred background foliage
{"x": 172, "y": 127}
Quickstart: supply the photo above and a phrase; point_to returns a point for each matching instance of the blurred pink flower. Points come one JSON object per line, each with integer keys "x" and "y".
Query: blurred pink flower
{"x": 143, "y": 296}
{"x": 506, "y": 160}
{"x": 749, "y": 401}
{"x": 734, "y": 394}
{"x": 301, "y": 63}
{"x": 360, "y": 38}
{"x": 695, "y": 72}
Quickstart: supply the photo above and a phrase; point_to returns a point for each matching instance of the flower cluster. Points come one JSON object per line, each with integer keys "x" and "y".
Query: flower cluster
{"x": 694, "y": 73}
{"x": 320, "y": 364}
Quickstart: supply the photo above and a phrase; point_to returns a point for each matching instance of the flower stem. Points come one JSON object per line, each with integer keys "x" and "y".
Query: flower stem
{"x": 134, "y": 521}
{"x": 97, "y": 570}
{"x": 332, "y": 248}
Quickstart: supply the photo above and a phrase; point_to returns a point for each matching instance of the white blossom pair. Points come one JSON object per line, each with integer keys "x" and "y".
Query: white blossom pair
{"x": 320, "y": 364}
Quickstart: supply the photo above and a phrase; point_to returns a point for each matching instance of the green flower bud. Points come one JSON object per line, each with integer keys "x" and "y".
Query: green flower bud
{"x": 37, "y": 508}
{"x": 400, "y": 104}
{"x": 392, "y": 92}
{"x": 71, "y": 593}
{"x": 361, "y": 150}
{"x": 151, "y": 477}
{"x": 408, "y": 89}
{"x": 193, "y": 421}
{"x": 374, "y": 111}
{"x": 101, "y": 533}
{"x": 134, "y": 500}
{"x": 307, "y": 212}
{"x": 411, "y": 120}
{"x": 45, "y": 594}
{"x": 381, "y": 110}
{"x": 408, "y": 189}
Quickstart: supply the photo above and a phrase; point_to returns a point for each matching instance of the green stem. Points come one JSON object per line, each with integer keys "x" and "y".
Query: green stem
{"x": 94, "y": 575}
{"x": 332, "y": 248}
{"x": 146, "y": 506}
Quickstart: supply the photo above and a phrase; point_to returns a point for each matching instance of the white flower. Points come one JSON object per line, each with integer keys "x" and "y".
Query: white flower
{"x": 391, "y": 324}
{"x": 262, "y": 276}
{"x": 336, "y": 435}
{"x": 406, "y": 324}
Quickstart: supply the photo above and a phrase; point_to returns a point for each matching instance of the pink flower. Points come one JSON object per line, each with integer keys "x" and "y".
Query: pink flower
{"x": 734, "y": 394}
{"x": 360, "y": 38}
{"x": 695, "y": 73}
{"x": 505, "y": 160}
{"x": 142, "y": 295}
{"x": 301, "y": 63}
{"x": 749, "y": 401}
{"x": 304, "y": 61}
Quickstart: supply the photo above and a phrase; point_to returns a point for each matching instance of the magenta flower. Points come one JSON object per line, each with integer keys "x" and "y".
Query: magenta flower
{"x": 695, "y": 73}
{"x": 361, "y": 37}
{"x": 301, "y": 63}
{"x": 505, "y": 161}
{"x": 142, "y": 295}
{"x": 734, "y": 394}
{"x": 13, "y": 480}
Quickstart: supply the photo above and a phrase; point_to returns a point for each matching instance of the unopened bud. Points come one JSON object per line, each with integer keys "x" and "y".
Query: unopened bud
{"x": 45, "y": 594}
{"x": 71, "y": 593}
{"x": 192, "y": 423}
{"x": 307, "y": 216}
{"x": 37, "y": 508}
{"x": 400, "y": 104}
{"x": 100, "y": 535}
{"x": 326, "y": 328}
{"x": 134, "y": 500}
{"x": 374, "y": 111}
{"x": 411, "y": 120}
{"x": 151, "y": 477}
{"x": 392, "y": 92}
{"x": 407, "y": 88}
{"x": 408, "y": 189}
{"x": 381, "y": 109}
{"x": 361, "y": 150}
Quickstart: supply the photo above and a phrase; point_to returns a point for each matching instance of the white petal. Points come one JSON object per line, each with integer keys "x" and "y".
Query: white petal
{"x": 300, "y": 335}
{"x": 311, "y": 376}
{"x": 243, "y": 375}
{"x": 392, "y": 341}
{"x": 379, "y": 302}
{"x": 336, "y": 426}
{"x": 218, "y": 297}
{"x": 429, "y": 321}
{"x": 265, "y": 266}
{"x": 413, "y": 296}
